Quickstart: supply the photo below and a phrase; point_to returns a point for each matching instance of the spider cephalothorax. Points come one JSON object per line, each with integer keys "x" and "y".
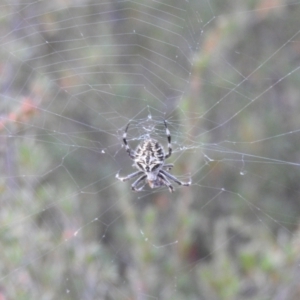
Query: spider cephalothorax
{"x": 149, "y": 158}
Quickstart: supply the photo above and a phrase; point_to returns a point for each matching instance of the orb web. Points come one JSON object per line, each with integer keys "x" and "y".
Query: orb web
{"x": 224, "y": 76}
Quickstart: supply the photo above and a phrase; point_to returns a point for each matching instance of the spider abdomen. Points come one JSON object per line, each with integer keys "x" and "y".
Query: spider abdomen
{"x": 150, "y": 157}
{"x": 150, "y": 148}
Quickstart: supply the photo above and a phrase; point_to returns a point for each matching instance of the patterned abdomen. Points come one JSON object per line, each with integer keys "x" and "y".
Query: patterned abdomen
{"x": 150, "y": 156}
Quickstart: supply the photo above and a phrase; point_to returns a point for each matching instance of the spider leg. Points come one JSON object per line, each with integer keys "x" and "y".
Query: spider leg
{"x": 168, "y": 166}
{"x": 169, "y": 141}
{"x": 134, "y": 185}
{"x": 166, "y": 182}
{"x": 166, "y": 174}
{"x": 130, "y": 152}
{"x": 130, "y": 176}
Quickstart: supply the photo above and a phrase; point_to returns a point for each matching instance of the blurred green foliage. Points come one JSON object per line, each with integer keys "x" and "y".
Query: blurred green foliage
{"x": 226, "y": 72}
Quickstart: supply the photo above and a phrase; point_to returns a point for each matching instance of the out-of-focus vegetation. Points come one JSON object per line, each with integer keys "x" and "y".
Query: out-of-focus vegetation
{"x": 72, "y": 77}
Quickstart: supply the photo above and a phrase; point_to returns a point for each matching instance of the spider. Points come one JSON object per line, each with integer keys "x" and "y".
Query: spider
{"x": 149, "y": 158}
